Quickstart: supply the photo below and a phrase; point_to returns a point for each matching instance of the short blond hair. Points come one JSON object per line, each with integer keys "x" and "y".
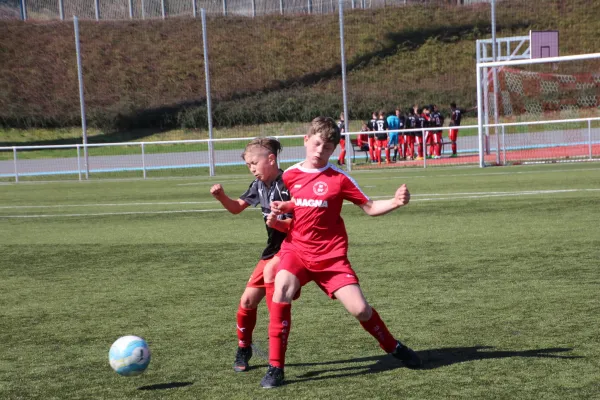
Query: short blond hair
{"x": 326, "y": 129}
{"x": 268, "y": 144}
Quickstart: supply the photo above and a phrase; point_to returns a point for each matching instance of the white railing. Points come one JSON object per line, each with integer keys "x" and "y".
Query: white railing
{"x": 522, "y": 142}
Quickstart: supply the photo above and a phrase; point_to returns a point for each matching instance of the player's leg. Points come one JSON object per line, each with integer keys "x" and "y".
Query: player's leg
{"x": 351, "y": 296}
{"x": 247, "y": 314}
{"x": 453, "y": 135}
{"x": 437, "y": 139}
{"x": 387, "y": 152}
{"x": 342, "y": 157}
{"x": 288, "y": 280}
{"x": 372, "y": 149}
{"x": 246, "y": 321}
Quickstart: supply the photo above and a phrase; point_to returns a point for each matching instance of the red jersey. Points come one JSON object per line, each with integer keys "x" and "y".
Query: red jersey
{"x": 317, "y": 231}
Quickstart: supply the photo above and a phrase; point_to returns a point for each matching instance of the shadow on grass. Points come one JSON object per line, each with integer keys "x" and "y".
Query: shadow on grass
{"x": 432, "y": 359}
{"x": 162, "y": 386}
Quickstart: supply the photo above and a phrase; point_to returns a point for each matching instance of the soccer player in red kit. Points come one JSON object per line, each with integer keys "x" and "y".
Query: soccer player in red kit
{"x": 381, "y": 138}
{"x": 454, "y": 121}
{"x": 260, "y": 156}
{"x": 342, "y": 157}
{"x": 316, "y": 248}
{"x": 437, "y": 120}
{"x": 372, "y": 127}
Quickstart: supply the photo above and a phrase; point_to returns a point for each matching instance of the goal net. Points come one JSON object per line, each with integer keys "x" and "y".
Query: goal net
{"x": 547, "y": 110}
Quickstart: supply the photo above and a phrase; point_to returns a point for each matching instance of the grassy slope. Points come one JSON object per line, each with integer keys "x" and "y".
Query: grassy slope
{"x": 268, "y": 69}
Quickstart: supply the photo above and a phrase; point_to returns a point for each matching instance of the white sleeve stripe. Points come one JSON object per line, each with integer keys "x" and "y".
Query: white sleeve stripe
{"x": 351, "y": 180}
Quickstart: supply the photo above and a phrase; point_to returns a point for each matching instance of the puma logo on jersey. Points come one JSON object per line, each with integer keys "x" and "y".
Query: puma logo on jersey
{"x": 311, "y": 203}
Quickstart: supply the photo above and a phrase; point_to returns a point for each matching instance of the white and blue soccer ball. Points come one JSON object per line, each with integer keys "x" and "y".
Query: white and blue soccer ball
{"x": 129, "y": 355}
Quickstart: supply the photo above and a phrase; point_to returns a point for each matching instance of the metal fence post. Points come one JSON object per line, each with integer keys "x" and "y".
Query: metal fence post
{"x": 211, "y": 150}
{"x": 23, "y": 10}
{"x": 224, "y": 8}
{"x": 61, "y": 9}
{"x": 281, "y": 7}
{"x": 309, "y": 6}
{"x": 590, "y": 137}
{"x": 143, "y": 9}
{"x": 81, "y": 97}
{"x": 194, "y": 8}
{"x": 253, "y": 8}
{"x": 162, "y": 9}
{"x": 15, "y": 164}
{"x": 143, "y": 161}
{"x": 353, "y": 4}
{"x": 503, "y": 145}
{"x": 424, "y": 135}
{"x": 130, "y": 9}
{"x": 97, "y": 9}
{"x": 344, "y": 91}
{"x": 78, "y": 162}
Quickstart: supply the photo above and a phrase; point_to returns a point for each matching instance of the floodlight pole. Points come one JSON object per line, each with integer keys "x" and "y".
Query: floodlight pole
{"x": 211, "y": 155}
{"x": 344, "y": 92}
{"x": 81, "y": 97}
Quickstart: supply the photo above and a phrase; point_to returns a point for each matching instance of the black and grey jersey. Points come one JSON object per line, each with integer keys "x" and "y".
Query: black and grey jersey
{"x": 259, "y": 193}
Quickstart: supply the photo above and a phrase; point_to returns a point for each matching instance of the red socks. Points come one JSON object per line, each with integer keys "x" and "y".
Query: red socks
{"x": 279, "y": 330}
{"x": 379, "y": 331}
{"x": 270, "y": 289}
{"x": 246, "y": 321}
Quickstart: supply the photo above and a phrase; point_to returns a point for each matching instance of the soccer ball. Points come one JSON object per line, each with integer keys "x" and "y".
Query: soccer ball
{"x": 129, "y": 355}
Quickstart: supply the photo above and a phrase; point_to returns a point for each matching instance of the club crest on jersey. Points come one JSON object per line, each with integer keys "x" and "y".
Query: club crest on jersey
{"x": 320, "y": 188}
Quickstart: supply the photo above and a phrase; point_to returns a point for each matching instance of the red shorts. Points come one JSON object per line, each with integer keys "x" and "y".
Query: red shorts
{"x": 330, "y": 275}
{"x": 257, "y": 278}
{"x": 381, "y": 143}
{"x": 453, "y": 135}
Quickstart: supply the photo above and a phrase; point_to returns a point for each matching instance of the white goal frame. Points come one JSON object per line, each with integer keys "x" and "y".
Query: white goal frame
{"x": 480, "y": 67}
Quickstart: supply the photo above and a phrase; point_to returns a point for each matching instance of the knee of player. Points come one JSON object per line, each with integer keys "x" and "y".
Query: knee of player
{"x": 362, "y": 312}
{"x": 249, "y": 301}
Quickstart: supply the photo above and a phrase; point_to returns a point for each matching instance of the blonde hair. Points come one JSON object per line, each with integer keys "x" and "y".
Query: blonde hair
{"x": 271, "y": 145}
{"x": 326, "y": 129}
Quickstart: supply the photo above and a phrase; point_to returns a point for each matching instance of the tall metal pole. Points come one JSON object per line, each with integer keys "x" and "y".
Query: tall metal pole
{"x": 143, "y": 9}
{"x": 480, "y": 112}
{"x": 130, "y": 9}
{"x": 211, "y": 150}
{"x": 495, "y": 80}
{"x": 344, "y": 91}
{"x": 253, "y": 8}
{"x": 81, "y": 98}
{"x": 281, "y": 7}
{"x": 194, "y": 8}
{"x": 97, "y": 9}
{"x": 61, "y": 10}
{"x": 224, "y": 8}
{"x": 163, "y": 9}
{"x": 23, "y": 10}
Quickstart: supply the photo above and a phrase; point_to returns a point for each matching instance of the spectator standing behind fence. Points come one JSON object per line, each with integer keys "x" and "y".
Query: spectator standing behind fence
{"x": 381, "y": 138}
{"x": 341, "y": 126}
{"x": 411, "y": 123}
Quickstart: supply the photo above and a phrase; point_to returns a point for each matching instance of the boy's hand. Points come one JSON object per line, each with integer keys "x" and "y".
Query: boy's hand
{"x": 402, "y": 196}
{"x": 271, "y": 220}
{"x": 217, "y": 191}
{"x": 281, "y": 207}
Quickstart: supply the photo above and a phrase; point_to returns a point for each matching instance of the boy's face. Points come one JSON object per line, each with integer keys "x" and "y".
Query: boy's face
{"x": 261, "y": 164}
{"x": 318, "y": 151}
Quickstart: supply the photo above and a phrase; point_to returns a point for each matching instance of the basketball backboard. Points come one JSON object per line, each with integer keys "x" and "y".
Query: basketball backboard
{"x": 543, "y": 44}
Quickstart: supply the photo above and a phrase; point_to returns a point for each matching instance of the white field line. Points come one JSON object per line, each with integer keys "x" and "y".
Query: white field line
{"x": 115, "y": 204}
{"x": 452, "y": 196}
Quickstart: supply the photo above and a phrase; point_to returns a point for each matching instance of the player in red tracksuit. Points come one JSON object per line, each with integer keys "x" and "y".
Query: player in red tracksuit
{"x": 342, "y": 156}
{"x": 316, "y": 248}
{"x": 421, "y": 123}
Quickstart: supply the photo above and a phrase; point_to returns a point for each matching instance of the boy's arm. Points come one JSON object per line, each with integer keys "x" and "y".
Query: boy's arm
{"x": 231, "y": 205}
{"x": 282, "y": 207}
{"x": 381, "y": 207}
{"x": 282, "y": 225}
